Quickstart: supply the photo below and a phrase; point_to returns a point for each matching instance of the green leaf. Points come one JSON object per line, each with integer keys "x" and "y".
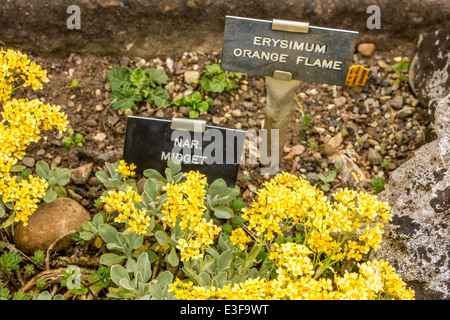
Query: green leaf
{"x": 203, "y": 106}
{"x": 157, "y": 76}
{"x": 152, "y": 173}
{"x": 17, "y": 168}
{"x": 205, "y": 279}
{"x": 193, "y": 114}
{"x": 42, "y": 169}
{"x": 224, "y": 261}
{"x": 217, "y": 85}
{"x": 138, "y": 78}
{"x": 2, "y": 208}
{"x": 127, "y": 98}
{"x": 143, "y": 266}
{"x": 118, "y": 273}
{"x": 217, "y": 187}
{"x": 117, "y": 77}
{"x": 196, "y": 97}
{"x": 73, "y": 83}
{"x": 223, "y": 212}
{"x": 206, "y": 84}
{"x": 176, "y": 102}
{"x": 159, "y": 97}
{"x": 163, "y": 238}
{"x": 155, "y": 290}
{"x": 60, "y": 191}
{"x": 174, "y": 166}
{"x": 50, "y": 195}
{"x": 164, "y": 278}
{"x": 172, "y": 257}
{"x": 110, "y": 259}
{"x": 108, "y": 233}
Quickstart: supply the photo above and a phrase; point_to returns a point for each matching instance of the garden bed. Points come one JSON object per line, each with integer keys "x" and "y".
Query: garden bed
{"x": 377, "y": 128}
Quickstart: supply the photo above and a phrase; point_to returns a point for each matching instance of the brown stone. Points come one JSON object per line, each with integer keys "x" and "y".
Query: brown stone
{"x": 48, "y": 223}
{"x": 366, "y": 49}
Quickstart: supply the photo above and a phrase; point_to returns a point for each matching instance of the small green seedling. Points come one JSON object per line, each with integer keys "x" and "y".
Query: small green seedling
{"x": 195, "y": 103}
{"x": 307, "y": 120}
{"x": 70, "y": 141}
{"x": 399, "y": 68}
{"x": 378, "y": 184}
{"x": 74, "y": 83}
{"x": 327, "y": 180}
{"x": 216, "y": 80}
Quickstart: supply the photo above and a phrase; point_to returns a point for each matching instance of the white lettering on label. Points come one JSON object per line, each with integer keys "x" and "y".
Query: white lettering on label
{"x": 321, "y": 63}
{"x": 186, "y": 158}
{"x": 263, "y": 55}
{"x": 289, "y": 44}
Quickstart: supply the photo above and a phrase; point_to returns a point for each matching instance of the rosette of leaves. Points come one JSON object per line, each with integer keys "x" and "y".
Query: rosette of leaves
{"x": 216, "y": 80}
{"x": 114, "y": 179}
{"x": 135, "y": 283}
{"x": 55, "y": 177}
{"x": 9, "y": 262}
{"x": 89, "y": 230}
{"x": 95, "y": 282}
{"x": 129, "y": 88}
{"x": 127, "y": 243}
{"x": 225, "y": 264}
{"x": 195, "y": 103}
{"x": 218, "y": 196}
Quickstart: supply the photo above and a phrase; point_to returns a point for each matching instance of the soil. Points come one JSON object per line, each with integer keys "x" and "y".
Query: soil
{"x": 362, "y": 125}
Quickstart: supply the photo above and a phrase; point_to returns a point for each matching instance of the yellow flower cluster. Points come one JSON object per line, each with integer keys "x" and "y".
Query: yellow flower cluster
{"x": 21, "y": 123}
{"x": 239, "y": 238}
{"x": 184, "y": 206}
{"x": 126, "y": 170}
{"x": 24, "y": 195}
{"x": 124, "y": 202}
{"x": 15, "y": 66}
{"x": 366, "y": 285}
{"x": 344, "y": 227}
{"x": 293, "y": 257}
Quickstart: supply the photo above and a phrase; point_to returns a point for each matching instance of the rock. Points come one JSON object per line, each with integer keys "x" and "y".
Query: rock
{"x": 340, "y": 102}
{"x": 429, "y": 70}
{"x": 405, "y": 113}
{"x": 327, "y": 149}
{"x": 216, "y": 120}
{"x": 48, "y": 223}
{"x": 112, "y": 120}
{"x": 336, "y": 140}
{"x": 99, "y": 137}
{"x": 374, "y": 157}
{"x": 140, "y": 185}
{"x": 91, "y": 123}
{"x": 366, "y": 49}
{"x": 417, "y": 239}
{"x": 396, "y": 103}
{"x": 160, "y": 114}
{"x": 185, "y": 111}
{"x": 312, "y": 178}
{"x": 191, "y": 76}
{"x": 28, "y": 162}
{"x": 109, "y": 156}
{"x": 81, "y": 174}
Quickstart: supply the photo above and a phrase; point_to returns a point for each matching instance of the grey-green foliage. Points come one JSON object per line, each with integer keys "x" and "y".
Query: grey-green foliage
{"x": 218, "y": 195}
{"x": 45, "y": 295}
{"x": 124, "y": 242}
{"x": 56, "y": 178}
{"x": 327, "y": 180}
{"x": 225, "y": 264}
{"x": 9, "y": 262}
{"x": 113, "y": 181}
{"x": 135, "y": 284}
{"x": 90, "y": 229}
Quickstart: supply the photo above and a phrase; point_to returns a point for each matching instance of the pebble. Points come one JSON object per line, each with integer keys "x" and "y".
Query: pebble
{"x": 340, "y": 102}
{"x": 81, "y": 174}
{"x": 374, "y": 157}
{"x": 99, "y": 137}
{"x": 91, "y": 123}
{"x": 216, "y": 120}
{"x": 40, "y": 152}
{"x": 396, "y": 103}
{"x": 366, "y": 49}
{"x": 190, "y": 76}
{"x": 57, "y": 160}
{"x": 160, "y": 114}
{"x": 28, "y": 161}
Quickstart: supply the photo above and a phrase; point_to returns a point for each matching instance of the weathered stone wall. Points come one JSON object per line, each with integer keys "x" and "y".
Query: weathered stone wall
{"x": 417, "y": 240}
{"x": 147, "y": 28}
